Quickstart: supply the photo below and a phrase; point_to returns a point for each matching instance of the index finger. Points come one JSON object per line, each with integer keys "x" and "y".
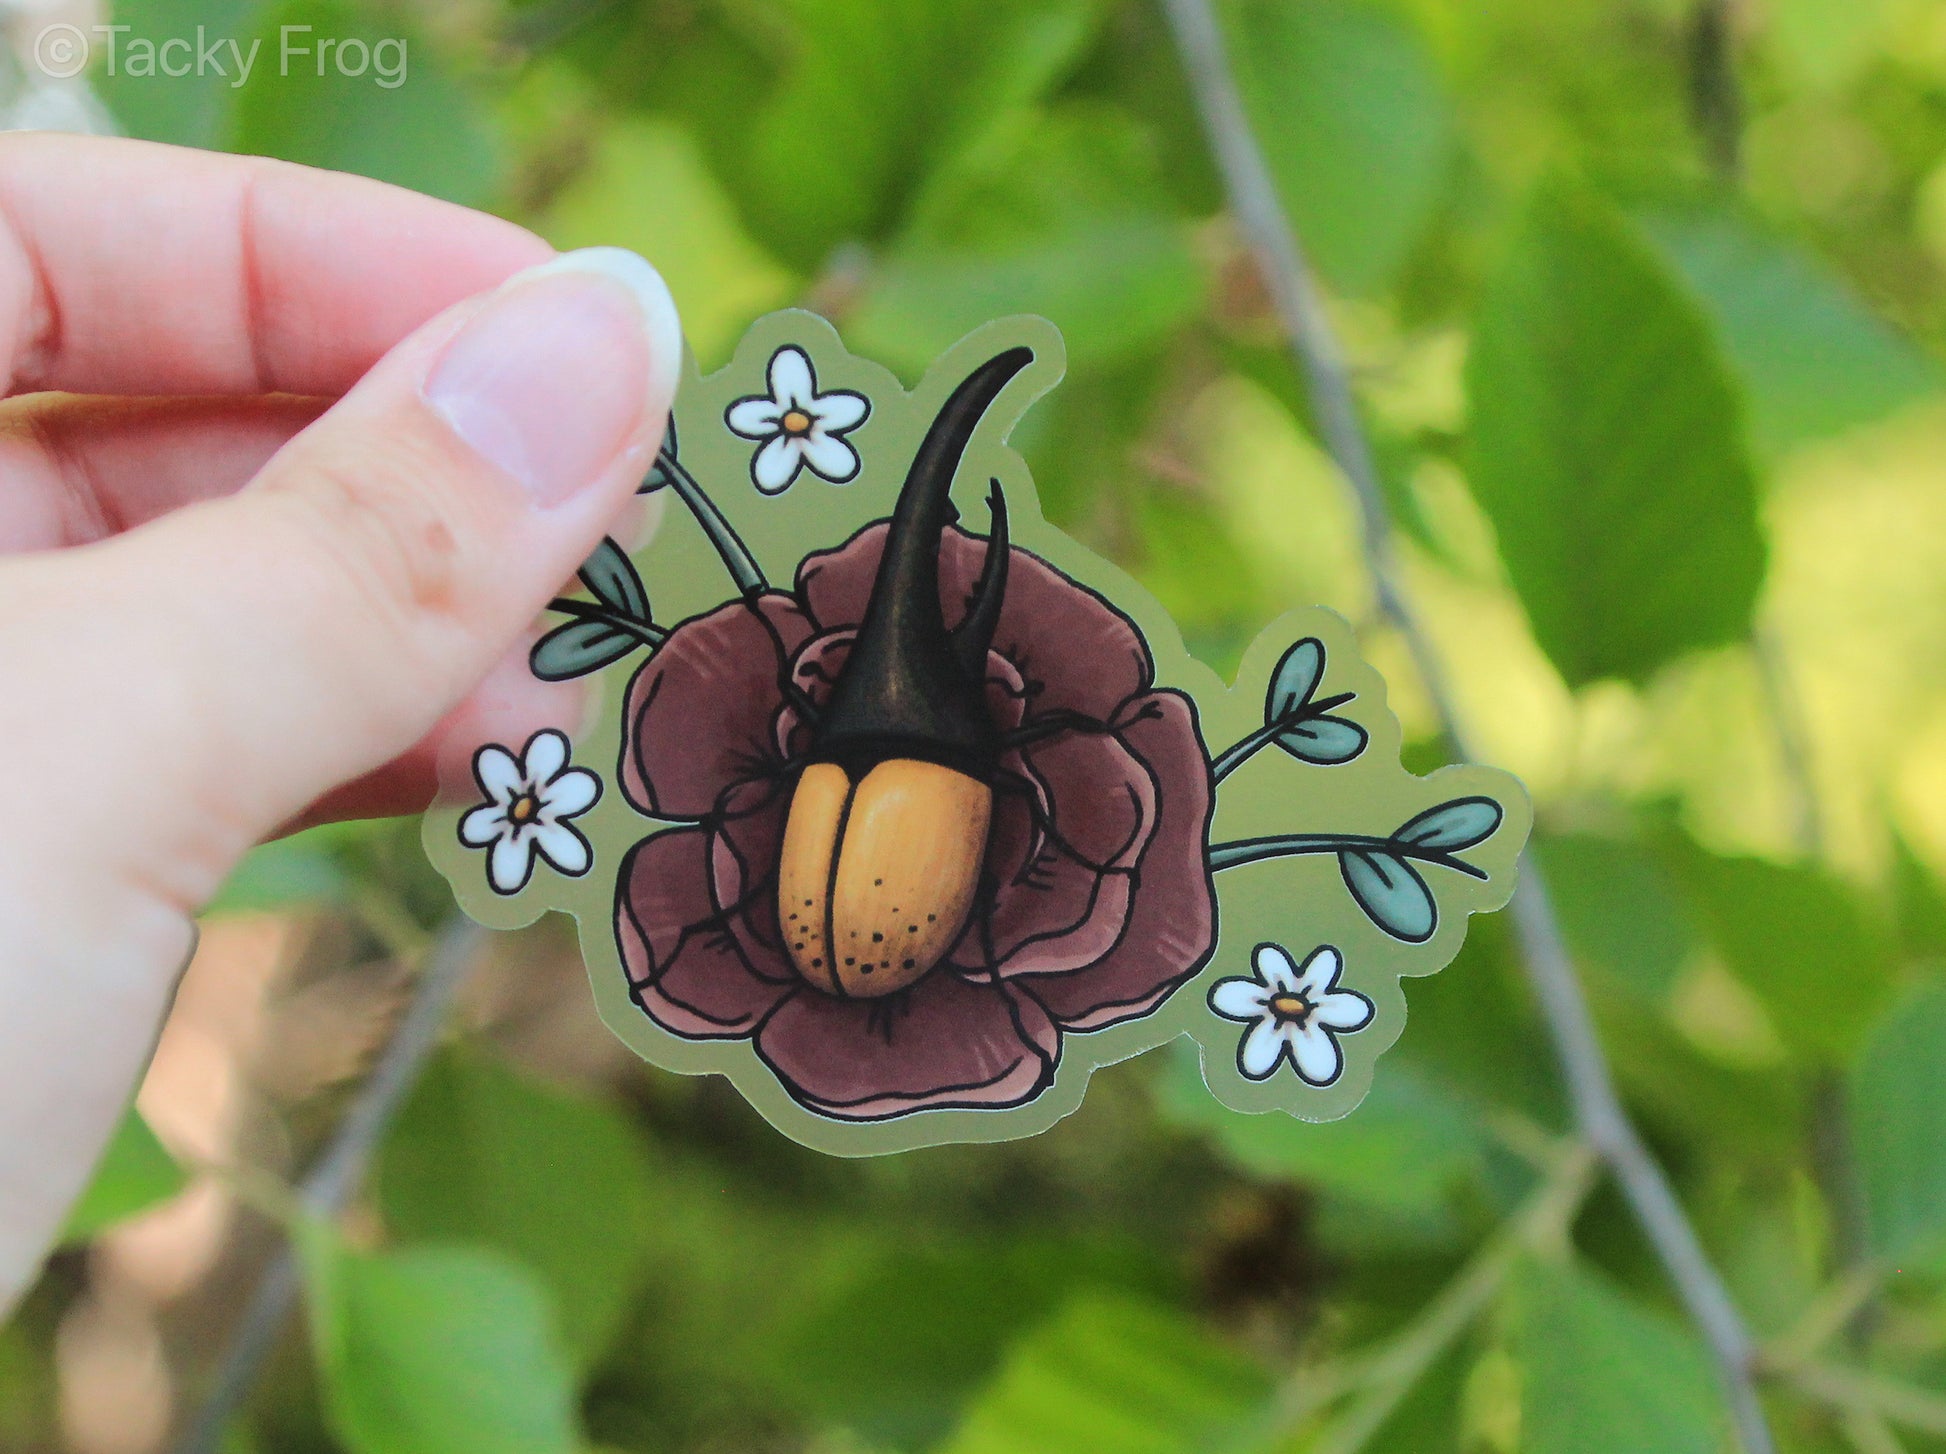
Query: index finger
{"x": 134, "y": 268}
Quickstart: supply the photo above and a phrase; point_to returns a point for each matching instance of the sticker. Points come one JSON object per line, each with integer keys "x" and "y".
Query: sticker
{"x": 905, "y": 812}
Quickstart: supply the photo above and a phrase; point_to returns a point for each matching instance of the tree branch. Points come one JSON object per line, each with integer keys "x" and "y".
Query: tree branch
{"x": 1313, "y": 344}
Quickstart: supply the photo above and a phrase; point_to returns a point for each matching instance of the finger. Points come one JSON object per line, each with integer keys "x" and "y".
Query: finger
{"x": 128, "y": 267}
{"x": 80, "y": 468}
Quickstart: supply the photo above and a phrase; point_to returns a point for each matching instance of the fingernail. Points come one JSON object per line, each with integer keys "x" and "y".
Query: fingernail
{"x": 554, "y": 376}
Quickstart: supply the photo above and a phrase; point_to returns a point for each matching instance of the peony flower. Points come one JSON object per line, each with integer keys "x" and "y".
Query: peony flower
{"x": 1097, "y": 900}
{"x": 798, "y": 426}
{"x": 1295, "y": 1013}
{"x": 529, "y": 801}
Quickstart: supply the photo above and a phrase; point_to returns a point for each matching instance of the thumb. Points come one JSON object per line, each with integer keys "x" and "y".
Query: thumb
{"x": 169, "y": 696}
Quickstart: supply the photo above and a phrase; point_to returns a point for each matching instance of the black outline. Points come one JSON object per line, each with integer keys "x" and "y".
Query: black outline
{"x": 764, "y": 441}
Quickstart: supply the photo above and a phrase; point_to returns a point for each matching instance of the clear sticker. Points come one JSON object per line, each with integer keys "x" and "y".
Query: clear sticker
{"x": 906, "y": 834}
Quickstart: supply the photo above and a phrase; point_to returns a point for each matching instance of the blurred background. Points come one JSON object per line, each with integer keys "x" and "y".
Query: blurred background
{"x": 1643, "y": 301}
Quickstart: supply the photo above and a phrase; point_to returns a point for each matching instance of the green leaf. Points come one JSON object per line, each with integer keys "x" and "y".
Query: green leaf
{"x": 1898, "y": 1107}
{"x": 557, "y": 1181}
{"x": 189, "y": 110}
{"x": 578, "y": 648}
{"x": 1354, "y": 124}
{"x": 1620, "y": 911}
{"x": 611, "y": 575}
{"x": 1324, "y": 741}
{"x": 136, "y": 1172}
{"x": 1114, "y": 1375}
{"x": 1607, "y": 447}
{"x": 1813, "y": 358}
{"x": 1296, "y": 679}
{"x": 1391, "y": 893}
{"x": 436, "y": 1350}
{"x": 1599, "y": 1372}
{"x": 307, "y": 867}
{"x": 426, "y": 132}
{"x": 1453, "y": 825}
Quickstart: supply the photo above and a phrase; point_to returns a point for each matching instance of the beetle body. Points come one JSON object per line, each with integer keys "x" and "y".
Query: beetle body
{"x": 886, "y": 837}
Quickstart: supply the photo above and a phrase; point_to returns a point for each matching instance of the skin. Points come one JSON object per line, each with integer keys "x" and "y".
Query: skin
{"x": 248, "y": 576}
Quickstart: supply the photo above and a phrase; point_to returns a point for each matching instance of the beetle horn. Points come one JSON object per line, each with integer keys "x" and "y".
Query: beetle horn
{"x": 973, "y": 636}
{"x": 904, "y": 681}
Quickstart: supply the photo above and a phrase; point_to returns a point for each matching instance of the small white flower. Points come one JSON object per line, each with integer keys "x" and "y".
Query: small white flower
{"x": 1293, "y": 1012}
{"x": 798, "y": 425}
{"x": 529, "y": 800}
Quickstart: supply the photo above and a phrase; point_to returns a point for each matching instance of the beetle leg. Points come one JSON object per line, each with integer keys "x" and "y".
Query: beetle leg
{"x": 787, "y": 684}
{"x": 1008, "y": 781}
{"x": 1066, "y": 719}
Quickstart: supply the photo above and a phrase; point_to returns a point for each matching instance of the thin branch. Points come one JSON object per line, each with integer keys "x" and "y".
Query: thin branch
{"x": 1597, "y": 1108}
{"x": 1872, "y": 1393}
{"x": 335, "y": 1177}
{"x": 1715, "y": 98}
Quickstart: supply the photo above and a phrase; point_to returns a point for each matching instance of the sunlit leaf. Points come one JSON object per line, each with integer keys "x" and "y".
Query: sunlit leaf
{"x": 1295, "y": 679}
{"x": 1599, "y": 1372}
{"x": 1453, "y": 825}
{"x": 578, "y": 648}
{"x": 1606, "y": 445}
{"x": 1391, "y": 893}
{"x": 1325, "y": 741}
{"x": 436, "y": 1350}
{"x": 136, "y": 1172}
{"x": 483, "y": 1154}
{"x": 1113, "y": 1375}
{"x": 611, "y": 575}
{"x": 1898, "y": 1107}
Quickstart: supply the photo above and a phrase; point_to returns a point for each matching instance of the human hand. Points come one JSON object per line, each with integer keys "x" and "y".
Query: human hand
{"x": 300, "y": 489}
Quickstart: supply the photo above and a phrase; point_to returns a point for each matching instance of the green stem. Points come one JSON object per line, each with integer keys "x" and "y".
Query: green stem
{"x": 736, "y": 555}
{"x": 644, "y": 631}
{"x": 1235, "y": 757}
{"x": 1254, "y": 850}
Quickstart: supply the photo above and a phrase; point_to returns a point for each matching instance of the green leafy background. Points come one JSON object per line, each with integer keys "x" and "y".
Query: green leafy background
{"x": 1665, "y": 451}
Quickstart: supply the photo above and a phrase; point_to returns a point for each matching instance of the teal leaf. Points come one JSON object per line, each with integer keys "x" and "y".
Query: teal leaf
{"x": 1606, "y": 445}
{"x": 578, "y": 648}
{"x": 436, "y": 1350}
{"x": 1391, "y": 893}
{"x": 1325, "y": 741}
{"x": 611, "y": 575}
{"x": 1295, "y": 680}
{"x": 1898, "y": 1105}
{"x": 1453, "y": 825}
{"x": 135, "y": 1173}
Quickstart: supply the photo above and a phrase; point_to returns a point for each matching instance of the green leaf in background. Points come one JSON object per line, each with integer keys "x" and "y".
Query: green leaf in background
{"x": 1607, "y": 447}
{"x": 1355, "y": 126}
{"x": 1621, "y": 913}
{"x": 1793, "y": 935}
{"x": 306, "y": 867}
{"x": 1113, "y": 1375}
{"x": 136, "y": 1172}
{"x": 1898, "y": 1119}
{"x": 1813, "y": 359}
{"x": 436, "y": 1350}
{"x": 1391, "y": 893}
{"x": 190, "y": 110}
{"x": 311, "y": 99}
{"x": 484, "y": 1154}
{"x": 1600, "y": 1373}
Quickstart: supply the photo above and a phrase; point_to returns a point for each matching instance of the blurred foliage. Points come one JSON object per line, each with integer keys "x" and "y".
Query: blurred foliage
{"x": 1632, "y": 416}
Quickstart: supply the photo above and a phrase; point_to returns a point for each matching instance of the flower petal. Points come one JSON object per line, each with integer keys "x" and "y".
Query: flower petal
{"x": 946, "y": 1042}
{"x": 483, "y": 824}
{"x": 685, "y": 975}
{"x": 840, "y": 410}
{"x": 511, "y": 863}
{"x": 701, "y": 713}
{"x": 1319, "y": 971}
{"x": 1241, "y": 999}
{"x": 498, "y": 773}
{"x": 1171, "y": 921}
{"x": 749, "y": 823}
{"x": 1275, "y": 968}
{"x": 546, "y": 754}
{"x": 774, "y": 466}
{"x": 570, "y": 795}
{"x": 1344, "y": 1011}
{"x": 792, "y": 384}
{"x": 1261, "y": 1047}
{"x": 754, "y": 418}
{"x": 563, "y": 847}
{"x": 1315, "y": 1053}
{"x": 829, "y": 457}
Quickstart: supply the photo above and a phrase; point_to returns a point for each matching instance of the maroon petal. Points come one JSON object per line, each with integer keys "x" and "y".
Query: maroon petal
{"x": 944, "y": 1042}
{"x": 685, "y": 974}
{"x": 1076, "y": 652}
{"x": 701, "y": 714}
{"x": 748, "y": 837}
{"x": 1171, "y": 925}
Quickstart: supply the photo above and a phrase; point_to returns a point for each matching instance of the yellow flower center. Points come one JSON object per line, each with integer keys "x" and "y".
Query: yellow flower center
{"x": 797, "y": 422}
{"x": 1290, "y": 1007}
{"x": 524, "y": 809}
